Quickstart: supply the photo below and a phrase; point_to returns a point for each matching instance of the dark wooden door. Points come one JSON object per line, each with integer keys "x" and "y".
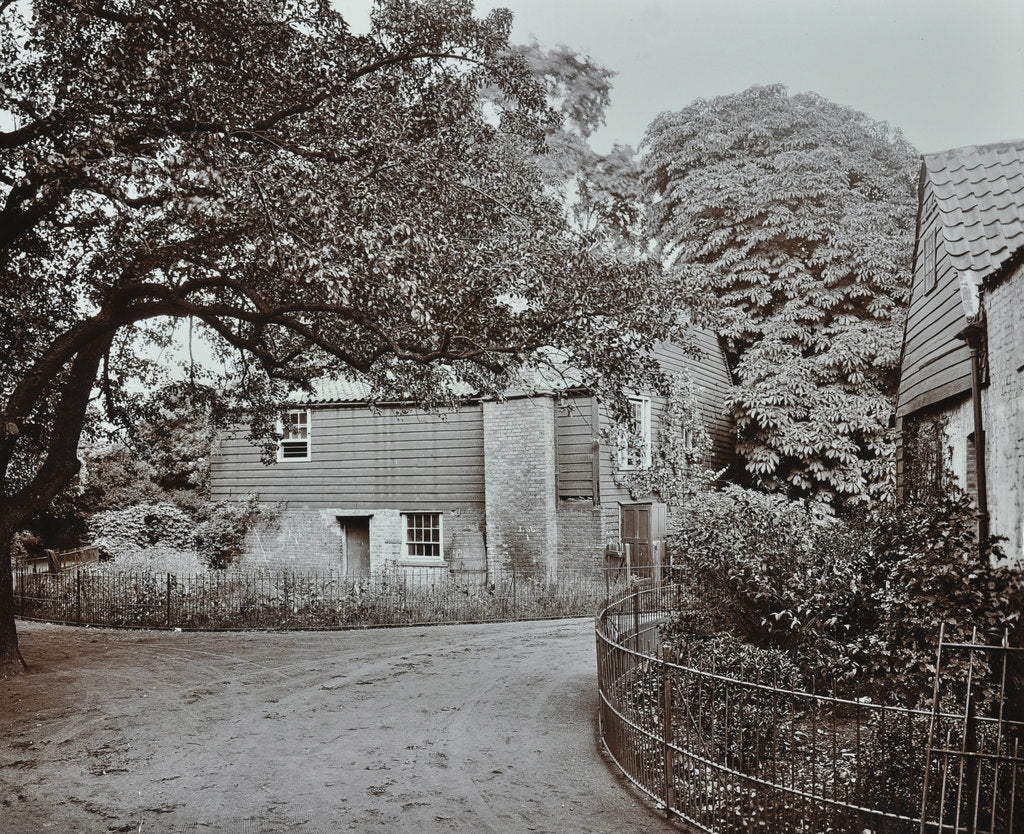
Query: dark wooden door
{"x": 635, "y": 526}
{"x": 357, "y": 545}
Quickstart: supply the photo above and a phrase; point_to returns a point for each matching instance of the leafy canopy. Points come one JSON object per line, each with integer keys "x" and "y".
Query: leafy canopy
{"x": 318, "y": 201}
{"x": 788, "y": 222}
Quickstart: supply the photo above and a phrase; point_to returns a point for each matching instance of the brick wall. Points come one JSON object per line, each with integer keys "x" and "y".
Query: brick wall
{"x": 581, "y": 535}
{"x": 298, "y": 539}
{"x": 519, "y": 484}
{"x": 303, "y": 539}
{"x": 1003, "y": 411}
{"x": 958, "y": 422}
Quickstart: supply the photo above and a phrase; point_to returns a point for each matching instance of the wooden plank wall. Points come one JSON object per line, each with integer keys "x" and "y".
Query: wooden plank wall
{"x": 362, "y": 460}
{"x": 936, "y": 365}
{"x": 711, "y": 376}
{"x": 575, "y": 438}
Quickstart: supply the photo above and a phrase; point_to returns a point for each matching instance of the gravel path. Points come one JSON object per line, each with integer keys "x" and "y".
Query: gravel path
{"x": 486, "y": 728}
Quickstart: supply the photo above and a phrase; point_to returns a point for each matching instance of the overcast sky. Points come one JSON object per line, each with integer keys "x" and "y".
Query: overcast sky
{"x": 946, "y": 72}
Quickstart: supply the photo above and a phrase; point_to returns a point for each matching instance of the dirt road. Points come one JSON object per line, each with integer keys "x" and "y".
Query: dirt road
{"x": 452, "y": 729}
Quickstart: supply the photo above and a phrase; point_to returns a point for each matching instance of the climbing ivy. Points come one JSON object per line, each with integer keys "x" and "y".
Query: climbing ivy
{"x": 679, "y": 453}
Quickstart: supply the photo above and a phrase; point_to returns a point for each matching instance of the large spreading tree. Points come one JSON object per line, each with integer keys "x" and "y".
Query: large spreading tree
{"x": 789, "y": 222}
{"x": 318, "y": 201}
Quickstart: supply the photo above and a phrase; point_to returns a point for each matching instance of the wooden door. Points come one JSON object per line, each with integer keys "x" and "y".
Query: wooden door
{"x": 356, "y": 531}
{"x": 635, "y": 527}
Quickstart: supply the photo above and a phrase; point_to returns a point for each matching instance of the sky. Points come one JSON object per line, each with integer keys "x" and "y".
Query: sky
{"x": 948, "y": 73}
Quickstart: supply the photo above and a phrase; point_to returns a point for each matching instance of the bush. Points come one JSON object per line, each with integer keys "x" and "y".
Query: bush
{"x": 777, "y": 573}
{"x": 930, "y": 569}
{"x": 855, "y": 598}
{"x": 119, "y": 532}
{"x": 157, "y": 559}
{"x": 220, "y": 534}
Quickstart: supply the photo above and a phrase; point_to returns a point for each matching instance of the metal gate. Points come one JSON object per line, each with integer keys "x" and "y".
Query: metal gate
{"x": 974, "y": 769}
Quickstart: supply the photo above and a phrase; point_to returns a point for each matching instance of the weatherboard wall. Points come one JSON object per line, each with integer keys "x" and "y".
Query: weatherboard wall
{"x": 363, "y": 459}
{"x": 936, "y": 364}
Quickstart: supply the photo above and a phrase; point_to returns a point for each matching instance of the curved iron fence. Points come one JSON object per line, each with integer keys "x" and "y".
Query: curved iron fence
{"x": 739, "y": 753}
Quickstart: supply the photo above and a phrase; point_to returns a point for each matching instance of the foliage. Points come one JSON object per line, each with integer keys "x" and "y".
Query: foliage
{"x": 789, "y": 223}
{"x": 854, "y": 599}
{"x": 157, "y": 558}
{"x": 315, "y": 201}
{"x": 191, "y": 597}
{"x": 220, "y": 534}
{"x": 141, "y": 526}
{"x": 930, "y": 570}
{"x": 927, "y": 464}
{"x": 777, "y": 573}
{"x": 678, "y": 453}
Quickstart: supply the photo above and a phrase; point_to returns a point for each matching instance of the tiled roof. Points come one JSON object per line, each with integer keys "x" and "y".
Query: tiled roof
{"x": 339, "y": 391}
{"x": 980, "y": 195}
{"x": 551, "y": 378}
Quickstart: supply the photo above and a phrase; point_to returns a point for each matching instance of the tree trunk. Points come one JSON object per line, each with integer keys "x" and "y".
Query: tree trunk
{"x": 11, "y": 661}
{"x": 59, "y": 465}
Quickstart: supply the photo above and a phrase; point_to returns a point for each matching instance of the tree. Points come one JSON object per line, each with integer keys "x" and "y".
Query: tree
{"x": 319, "y": 202}
{"x": 789, "y": 222}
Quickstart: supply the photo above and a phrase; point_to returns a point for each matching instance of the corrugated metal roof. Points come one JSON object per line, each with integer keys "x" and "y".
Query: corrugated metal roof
{"x": 980, "y": 195}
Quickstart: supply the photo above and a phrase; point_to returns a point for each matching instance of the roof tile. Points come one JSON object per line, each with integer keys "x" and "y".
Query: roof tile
{"x": 980, "y": 195}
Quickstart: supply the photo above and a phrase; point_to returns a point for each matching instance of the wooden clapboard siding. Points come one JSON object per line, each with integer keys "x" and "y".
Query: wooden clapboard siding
{"x": 936, "y": 364}
{"x": 710, "y": 375}
{"x": 576, "y": 447}
{"x": 363, "y": 460}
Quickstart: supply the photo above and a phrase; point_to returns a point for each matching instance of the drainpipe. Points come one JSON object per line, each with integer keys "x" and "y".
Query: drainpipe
{"x": 974, "y": 335}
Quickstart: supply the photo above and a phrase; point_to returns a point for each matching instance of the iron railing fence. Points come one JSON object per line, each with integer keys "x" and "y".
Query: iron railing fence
{"x": 738, "y": 752}
{"x": 282, "y": 600}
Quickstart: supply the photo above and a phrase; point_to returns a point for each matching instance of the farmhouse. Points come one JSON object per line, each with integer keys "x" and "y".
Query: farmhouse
{"x": 532, "y": 480}
{"x": 961, "y": 399}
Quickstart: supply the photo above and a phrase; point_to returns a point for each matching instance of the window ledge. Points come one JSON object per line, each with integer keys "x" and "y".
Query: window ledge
{"x": 422, "y": 563}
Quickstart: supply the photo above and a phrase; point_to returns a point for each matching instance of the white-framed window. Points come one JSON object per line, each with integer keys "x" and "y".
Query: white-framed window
{"x": 422, "y": 539}
{"x": 295, "y": 430}
{"x": 635, "y": 442}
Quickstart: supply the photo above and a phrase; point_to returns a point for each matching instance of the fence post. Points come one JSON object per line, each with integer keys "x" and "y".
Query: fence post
{"x": 21, "y": 584}
{"x": 636, "y": 619}
{"x": 667, "y": 737}
{"x": 78, "y": 596}
{"x": 167, "y": 602}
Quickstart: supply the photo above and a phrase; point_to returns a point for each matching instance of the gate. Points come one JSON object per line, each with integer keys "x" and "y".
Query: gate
{"x": 975, "y": 762}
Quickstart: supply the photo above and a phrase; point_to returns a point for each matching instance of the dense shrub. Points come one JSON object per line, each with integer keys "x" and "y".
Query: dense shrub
{"x": 222, "y": 527}
{"x": 776, "y": 573}
{"x": 156, "y": 559}
{"x": 929, "y": 569}
{"x": 167, "y": 537}
{"x": 118, "y": 532}
{"x": 855, "y": 599}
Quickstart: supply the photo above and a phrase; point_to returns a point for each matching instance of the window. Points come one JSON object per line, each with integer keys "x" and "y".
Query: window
{"x": 423, "y": 537}
{"x": 294, "y": 429}
{"x": 635, "y": 443}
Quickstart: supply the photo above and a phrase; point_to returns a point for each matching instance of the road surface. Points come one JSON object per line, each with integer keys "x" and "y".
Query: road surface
{"x": 485, "y": 728}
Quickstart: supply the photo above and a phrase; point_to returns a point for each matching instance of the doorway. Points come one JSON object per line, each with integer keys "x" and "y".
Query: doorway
{"x": 635, "y": 531}
{"x": 355, "y": 533}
